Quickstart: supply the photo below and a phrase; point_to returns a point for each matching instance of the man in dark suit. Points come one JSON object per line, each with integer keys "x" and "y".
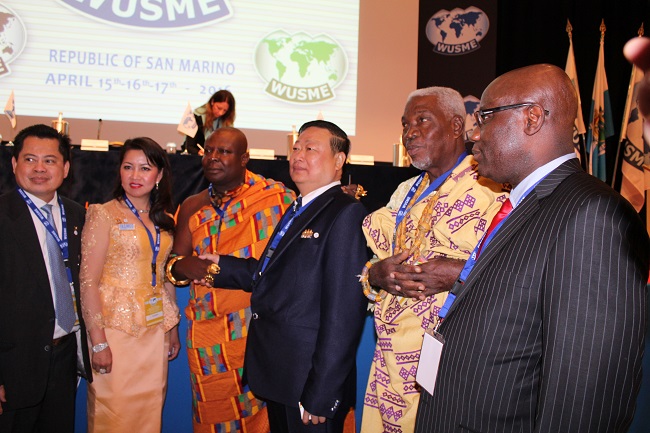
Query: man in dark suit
{"x": 307, "y": 304}
{"x": 40, "y": 315}
{"x": 546, "y": 330}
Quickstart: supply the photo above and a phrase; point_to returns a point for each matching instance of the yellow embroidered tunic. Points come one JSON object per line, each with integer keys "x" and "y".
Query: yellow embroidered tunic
{"x": 459, "y": 213}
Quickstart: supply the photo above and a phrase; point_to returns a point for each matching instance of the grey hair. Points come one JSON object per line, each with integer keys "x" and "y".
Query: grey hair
{"x": 449, "y": 100}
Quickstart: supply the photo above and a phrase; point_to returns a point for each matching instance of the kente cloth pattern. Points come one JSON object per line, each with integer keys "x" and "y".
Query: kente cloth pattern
{"x": 125, "y": 282}
{"x": 218, "y": 319}
{"x": 465, "y": 205}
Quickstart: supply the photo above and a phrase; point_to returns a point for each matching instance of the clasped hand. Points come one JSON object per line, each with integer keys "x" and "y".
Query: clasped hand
{"x": 415, "y": 281}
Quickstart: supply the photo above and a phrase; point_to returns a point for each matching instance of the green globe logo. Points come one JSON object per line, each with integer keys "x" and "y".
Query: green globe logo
{"x": 13, "y": 38}
{"x": 300, "y": 68}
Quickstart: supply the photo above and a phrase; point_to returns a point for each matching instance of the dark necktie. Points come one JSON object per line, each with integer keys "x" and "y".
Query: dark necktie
{"x": 64, "y": 308}
{"x": 506, "y": 207}
{"x": 297, "y": 205}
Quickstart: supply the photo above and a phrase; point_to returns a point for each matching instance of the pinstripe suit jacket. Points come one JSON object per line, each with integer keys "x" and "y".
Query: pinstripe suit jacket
{"x": 547, "y": 333}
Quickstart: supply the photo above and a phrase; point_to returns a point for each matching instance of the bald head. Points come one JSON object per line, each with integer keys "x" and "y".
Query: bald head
{"x": 233, "y": 135}
{"x": 529, "y": 117}
{"x": 546, "y": 85}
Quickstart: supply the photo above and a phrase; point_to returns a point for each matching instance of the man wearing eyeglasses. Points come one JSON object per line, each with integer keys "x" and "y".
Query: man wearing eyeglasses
{"x": 544, "y": 330}
{"x": 421, "y": 240}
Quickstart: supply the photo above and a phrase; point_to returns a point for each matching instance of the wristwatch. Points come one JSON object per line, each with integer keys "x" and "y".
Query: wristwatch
{"x": 99, "y": 347}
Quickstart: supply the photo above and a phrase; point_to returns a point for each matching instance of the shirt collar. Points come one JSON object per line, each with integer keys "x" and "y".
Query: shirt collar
{"x": 40, "y": 203}
{"x": 315, "y": 193}
{"x": 520, "y": 191}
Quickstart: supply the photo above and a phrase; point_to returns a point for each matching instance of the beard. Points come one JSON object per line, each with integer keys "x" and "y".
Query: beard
{"x": 421, "y": 163}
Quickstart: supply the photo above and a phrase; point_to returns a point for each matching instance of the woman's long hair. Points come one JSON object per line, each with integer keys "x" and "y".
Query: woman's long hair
{"x": 160, "y": 198}
{"x": 228, "y": 118}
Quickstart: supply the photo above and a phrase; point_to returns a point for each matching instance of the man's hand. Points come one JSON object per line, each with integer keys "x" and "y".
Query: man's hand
{"x": 3, "y": 399}
{"x": 382, "y": 273}
{"x": 637, "y": 51}
{"x": 192, "y": 267}
{"x": 435, "y": 276}
{"x": 308, "y": 418}
{"x": 415, "y": 281}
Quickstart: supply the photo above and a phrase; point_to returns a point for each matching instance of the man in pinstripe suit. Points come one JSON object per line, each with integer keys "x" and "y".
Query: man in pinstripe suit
{"x": 546, "y": 331}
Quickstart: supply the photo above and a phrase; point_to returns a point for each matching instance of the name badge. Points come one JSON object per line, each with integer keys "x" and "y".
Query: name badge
{"x": 127, "y": 226}
{"x": 153, "y": 310}
{"x": 429, "y": 360}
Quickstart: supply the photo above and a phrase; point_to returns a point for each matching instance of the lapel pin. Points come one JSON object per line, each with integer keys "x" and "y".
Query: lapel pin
{"x": 76, "y": 231}
{"x": 308, "y": 234}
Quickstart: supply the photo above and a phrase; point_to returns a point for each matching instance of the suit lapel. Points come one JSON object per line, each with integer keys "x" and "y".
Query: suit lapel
{"x": 73, "y": 226}
{"x": 300, "y": 224}
{"x": 24, "y": 230}
{"x": 25, "y": 235}
{"x": 523, "y": 212}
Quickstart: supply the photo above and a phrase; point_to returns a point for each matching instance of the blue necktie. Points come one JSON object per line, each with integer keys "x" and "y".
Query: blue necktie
{"x": 64, "y": 308}
{"x": 297, "y": 205}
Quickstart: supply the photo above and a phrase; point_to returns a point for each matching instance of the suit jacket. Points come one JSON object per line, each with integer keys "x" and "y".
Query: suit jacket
{"x": 546, "y": 334}
{"x": 27, "y": 315}
{"x": 307, "y": 307}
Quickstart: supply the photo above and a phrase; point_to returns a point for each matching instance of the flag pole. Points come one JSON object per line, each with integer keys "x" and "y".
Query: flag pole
{"x": 626, "y": 115}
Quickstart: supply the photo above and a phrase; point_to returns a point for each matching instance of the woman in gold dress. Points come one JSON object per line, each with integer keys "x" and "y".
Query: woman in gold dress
{"x": 131, "y": 313}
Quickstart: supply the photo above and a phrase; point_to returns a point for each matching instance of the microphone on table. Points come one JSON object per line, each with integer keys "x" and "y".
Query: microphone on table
{"x": 99, "y": 129}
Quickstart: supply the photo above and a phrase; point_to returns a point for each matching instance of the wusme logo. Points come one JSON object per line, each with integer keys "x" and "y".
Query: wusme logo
{"x": 154, "y": 14}
{"x": 300, "y": 68}
{"x": 458, "y": 31}
{"x": 13, "y": 38}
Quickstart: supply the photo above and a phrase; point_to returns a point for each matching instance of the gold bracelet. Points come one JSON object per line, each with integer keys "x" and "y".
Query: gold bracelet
{"x": 170, "y": 276}
{"x": 214, "y": 269}
{"x": 370, "y": 293}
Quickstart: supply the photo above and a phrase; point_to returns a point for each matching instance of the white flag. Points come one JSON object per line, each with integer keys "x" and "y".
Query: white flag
{"x": 188, "y": 124}
{"x": 579, "y": 124}
{"x": 10, "y": 109}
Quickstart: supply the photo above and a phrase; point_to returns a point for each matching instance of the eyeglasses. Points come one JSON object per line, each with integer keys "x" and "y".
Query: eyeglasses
{"x": 481, "y": 115}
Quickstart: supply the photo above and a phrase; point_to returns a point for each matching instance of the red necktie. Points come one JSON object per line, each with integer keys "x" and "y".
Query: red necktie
{"x": 506, "y": 207}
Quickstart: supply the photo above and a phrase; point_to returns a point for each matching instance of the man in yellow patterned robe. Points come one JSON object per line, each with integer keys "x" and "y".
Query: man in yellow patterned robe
{"x": 234, "y": 216}
{"x": 421, "y": 240}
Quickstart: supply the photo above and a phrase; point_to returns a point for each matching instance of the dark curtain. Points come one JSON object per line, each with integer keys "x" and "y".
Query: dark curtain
{"x": 534, "y": 32}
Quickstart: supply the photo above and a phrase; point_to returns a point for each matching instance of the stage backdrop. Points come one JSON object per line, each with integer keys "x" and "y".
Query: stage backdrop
{"x": 457, "y": 48}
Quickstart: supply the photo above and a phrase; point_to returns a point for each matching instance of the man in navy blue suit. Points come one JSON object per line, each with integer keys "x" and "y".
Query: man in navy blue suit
{"x": 307, "y": 304}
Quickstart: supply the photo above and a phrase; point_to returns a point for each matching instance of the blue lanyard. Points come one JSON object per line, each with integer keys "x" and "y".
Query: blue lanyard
{"x": 155, "y": 248}
{"x": 220, "y": 211}
{"x": 406, "y": 205}
{"x": 62, "y": 242}
{"x": 278, "y": 235}
{"x": 471, "y": 261}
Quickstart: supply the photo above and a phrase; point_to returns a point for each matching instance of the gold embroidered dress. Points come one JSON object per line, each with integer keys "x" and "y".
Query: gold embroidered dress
{"x": 447, "y": 223}
{"x": 115, "y": 282}
{"x": 218, "y": 318}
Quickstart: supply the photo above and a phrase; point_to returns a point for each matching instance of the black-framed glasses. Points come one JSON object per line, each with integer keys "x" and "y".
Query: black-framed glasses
{"x": 481, "y": 115}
